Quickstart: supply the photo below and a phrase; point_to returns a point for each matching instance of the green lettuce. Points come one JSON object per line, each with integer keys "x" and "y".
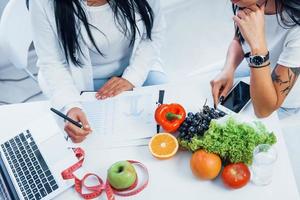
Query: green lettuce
{"x": 233, "y": 141}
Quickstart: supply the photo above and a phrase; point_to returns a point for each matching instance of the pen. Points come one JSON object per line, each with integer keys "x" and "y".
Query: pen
{"x": 160, "y": 101}
{"x": 65, "y": 117}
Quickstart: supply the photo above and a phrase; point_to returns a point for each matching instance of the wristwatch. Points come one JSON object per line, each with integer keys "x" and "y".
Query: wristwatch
{"x": 258, "y": 61}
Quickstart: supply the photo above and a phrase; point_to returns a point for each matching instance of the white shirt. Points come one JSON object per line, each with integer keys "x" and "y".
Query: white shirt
{"x": 284, "y": 48}
{"x": 111, "y": 42}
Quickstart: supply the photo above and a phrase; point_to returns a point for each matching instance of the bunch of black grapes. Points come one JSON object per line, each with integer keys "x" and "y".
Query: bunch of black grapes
{"x": 198, "y": 123}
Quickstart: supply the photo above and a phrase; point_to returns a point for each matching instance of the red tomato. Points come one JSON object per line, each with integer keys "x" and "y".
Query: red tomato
{"x": 236, "y": 175}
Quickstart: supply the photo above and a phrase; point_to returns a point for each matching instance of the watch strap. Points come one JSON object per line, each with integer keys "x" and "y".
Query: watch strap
{"x": 261, "y": 66}
{"x": 251, "y": 60}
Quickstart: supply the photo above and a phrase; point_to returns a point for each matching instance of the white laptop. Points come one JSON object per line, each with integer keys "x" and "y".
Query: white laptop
{"x": 32, "y": 161}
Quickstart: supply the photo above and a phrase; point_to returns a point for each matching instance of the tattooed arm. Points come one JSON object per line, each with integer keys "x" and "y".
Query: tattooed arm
{"x": 269, "y": 92}
{"x": 284, "y": 79}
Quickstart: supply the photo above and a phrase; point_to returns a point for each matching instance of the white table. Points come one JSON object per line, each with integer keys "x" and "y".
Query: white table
{"x": 171, "y": 179}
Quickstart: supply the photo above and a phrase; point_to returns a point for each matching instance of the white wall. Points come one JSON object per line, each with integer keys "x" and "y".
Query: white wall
{"x": 198, "y": 34}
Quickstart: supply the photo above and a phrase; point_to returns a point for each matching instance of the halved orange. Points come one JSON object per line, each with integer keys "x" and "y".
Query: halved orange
{"x": 163, "y": 145}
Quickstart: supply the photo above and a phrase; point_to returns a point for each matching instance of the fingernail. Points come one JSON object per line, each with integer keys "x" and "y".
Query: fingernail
{"x": 222, "y": 99}
{"x": 87, "y": 126}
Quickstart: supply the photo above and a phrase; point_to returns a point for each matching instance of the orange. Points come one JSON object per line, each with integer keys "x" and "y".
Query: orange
{"x": 163, "y": 145}
{"x": 205, "y": 165}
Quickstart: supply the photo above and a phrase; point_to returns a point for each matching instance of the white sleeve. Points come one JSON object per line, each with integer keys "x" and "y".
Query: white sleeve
{"x": 54, "y": 69}
{"x": 290, "y": 56}
{"x": 147, "y": 54}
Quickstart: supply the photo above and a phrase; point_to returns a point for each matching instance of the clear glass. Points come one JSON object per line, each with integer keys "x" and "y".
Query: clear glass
{"x": 264, "y": 157}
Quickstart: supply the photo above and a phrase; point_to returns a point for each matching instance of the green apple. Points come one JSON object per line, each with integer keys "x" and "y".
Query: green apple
{"x": 121, "y": 175}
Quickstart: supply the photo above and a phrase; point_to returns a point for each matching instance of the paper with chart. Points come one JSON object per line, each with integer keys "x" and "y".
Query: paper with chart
{"x": 126, "y": 117}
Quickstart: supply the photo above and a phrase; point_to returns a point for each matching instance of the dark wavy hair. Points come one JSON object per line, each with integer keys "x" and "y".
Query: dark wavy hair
{"x": 69, "y": 12}
{"x": 287, "y": 11}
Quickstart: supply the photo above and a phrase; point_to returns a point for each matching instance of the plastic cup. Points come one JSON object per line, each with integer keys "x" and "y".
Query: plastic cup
{"x": 264, "y": 157}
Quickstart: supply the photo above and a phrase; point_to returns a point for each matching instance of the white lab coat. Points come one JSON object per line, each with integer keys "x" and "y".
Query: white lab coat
{"x": 62, "y": 82}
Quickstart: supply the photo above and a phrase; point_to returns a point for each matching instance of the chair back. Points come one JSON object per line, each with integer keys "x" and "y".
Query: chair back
{"x": 15, "y": 33}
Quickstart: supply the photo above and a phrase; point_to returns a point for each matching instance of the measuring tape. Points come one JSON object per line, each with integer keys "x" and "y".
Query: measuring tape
{"x": 97, "y": 190}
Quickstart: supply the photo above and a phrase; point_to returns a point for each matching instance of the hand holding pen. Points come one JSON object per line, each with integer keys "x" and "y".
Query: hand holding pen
{"x": 76, "y": 126}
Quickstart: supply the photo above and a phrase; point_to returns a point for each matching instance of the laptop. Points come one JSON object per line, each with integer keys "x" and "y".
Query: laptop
{"x": 31, "y": 162}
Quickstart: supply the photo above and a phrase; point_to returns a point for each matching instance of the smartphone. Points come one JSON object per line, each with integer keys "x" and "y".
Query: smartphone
{"x": 237, "y": 99}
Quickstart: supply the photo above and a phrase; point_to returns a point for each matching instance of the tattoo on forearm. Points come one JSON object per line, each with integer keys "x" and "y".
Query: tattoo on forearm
{"x": 276, "y": 78}
{"x": 287, "y": 83}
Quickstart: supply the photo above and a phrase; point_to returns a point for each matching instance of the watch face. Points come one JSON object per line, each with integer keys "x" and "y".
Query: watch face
{"x": 257, "y": 60}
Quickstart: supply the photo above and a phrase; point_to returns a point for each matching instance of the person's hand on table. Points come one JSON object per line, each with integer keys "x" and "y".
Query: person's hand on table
{"x": 113, "y": 87}
{"x": 75, "y": 133}
{"x": 221, "y": 85}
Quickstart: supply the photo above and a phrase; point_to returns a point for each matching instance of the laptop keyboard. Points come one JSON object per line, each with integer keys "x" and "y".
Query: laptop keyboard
{"x": 29, "y": 167}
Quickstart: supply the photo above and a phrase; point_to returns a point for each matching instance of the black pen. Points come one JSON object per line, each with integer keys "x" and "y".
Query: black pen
{"x": 160, "y": 101}
{"x": 65, "y": 117}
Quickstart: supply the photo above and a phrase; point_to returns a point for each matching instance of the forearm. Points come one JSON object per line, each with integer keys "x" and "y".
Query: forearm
{"x": 263, "y": 92}
{"x": 235, "y": 56}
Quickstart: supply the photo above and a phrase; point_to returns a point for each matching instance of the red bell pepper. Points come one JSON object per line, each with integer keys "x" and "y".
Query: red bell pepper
{"x": 170, "y": 116}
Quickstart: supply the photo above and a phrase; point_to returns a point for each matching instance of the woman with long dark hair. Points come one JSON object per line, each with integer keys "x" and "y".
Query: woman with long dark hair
{"x": 109, "y": 46}
{"x": 267, "y": 40}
